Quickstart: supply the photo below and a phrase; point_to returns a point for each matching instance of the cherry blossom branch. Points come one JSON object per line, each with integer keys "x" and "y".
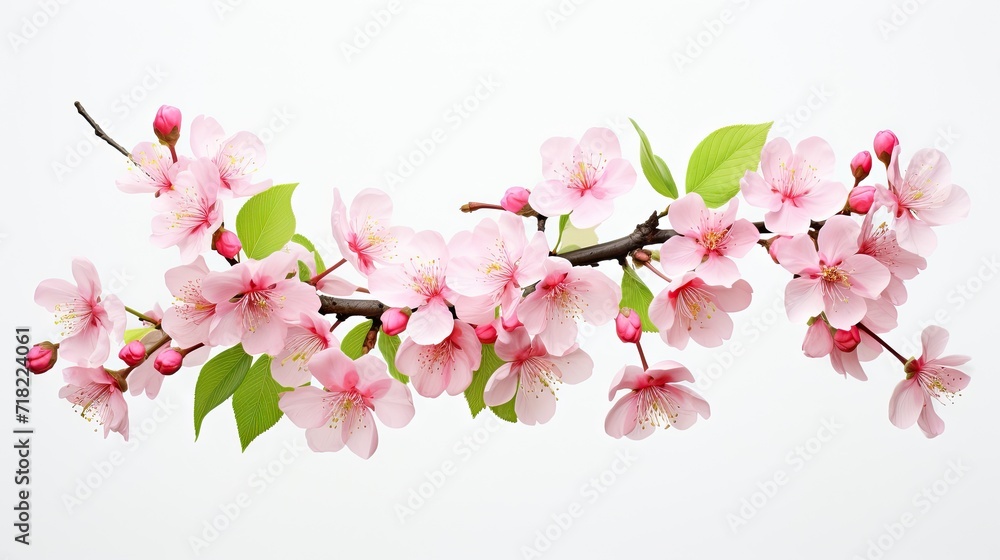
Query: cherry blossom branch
{"x": 142, "y": 316}
{"x": 100, "y": 131}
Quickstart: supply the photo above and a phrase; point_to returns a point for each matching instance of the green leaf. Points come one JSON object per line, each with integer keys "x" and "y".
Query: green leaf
{"x": 266, "y": 222}
{"x": 576, "y": 238}
{"x": 255, "y": 402}
{"x": 304, "y": 274}
{"x": 301, "y": 240}
{"x": 388, "y": 346}
{"x": 474, "y": 394}
{"x": 722, "y": 158}
{"x": 320, "y": 267}
{"x": 636, "y": 295}
{"x": 654, "y": 168}
{"x": 218, "y": 379}
{"x": 354, "y": 342}
{"x": 137, "y": 334}
{"x": 563, "y": 221}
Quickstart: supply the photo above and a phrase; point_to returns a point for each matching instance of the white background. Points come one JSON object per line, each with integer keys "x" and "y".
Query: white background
{"x": 841, "y": 70}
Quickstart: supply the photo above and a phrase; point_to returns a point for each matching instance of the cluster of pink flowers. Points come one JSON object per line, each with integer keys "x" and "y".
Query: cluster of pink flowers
{"x": 502, "y": 287}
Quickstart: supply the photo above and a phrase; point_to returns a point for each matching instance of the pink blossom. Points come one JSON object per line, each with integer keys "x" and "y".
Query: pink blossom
{"x": 167, "y": 124}
{"x": 846, "y": 355}
{"x": 492, "y": 265}
{"x": 656, "y": 400}
{"x": 365, "y": 236}
{"x": 227, "y": 244}
{"x": 444, "y": 366}
{"x": 189, "y": 214}
{"x": 879, "y": 242}
{"x": 394, "y": 320}
{"x": 929, "y": 377}
{"x": 515, "y": 199}
{"x": 85, "y": 319}
{"x": 924, "y": 197}
{"x": 836, "y": 279}
{"x": 628, "y": 325}
{"x": 690, "y": 308}
{"x": 861, "y": 165}
{"x": 255, "y": 303}
{"x": 235, "y": 158}
{"x": 309, "y": 335}
{"x": 532, "y": 375}
{"x": 795, "y": 187}
{"x": 565, "y": 295}
{"x": 338, "y": 414}
{"x": 133, "y": 353}
{"x": 708, "y": 239}
{"x": 582, "y": 177}
{"x": 168, "y": 362}
{"x": 419, "y": 282}
{"x": 150, "y": 170}
{"x": 42, "y": 357}
{"x": 188, "y": 320}
{"x": 861, "y": 199}
{"x": 98, "y": 396}
{"x": 885, "y": 142}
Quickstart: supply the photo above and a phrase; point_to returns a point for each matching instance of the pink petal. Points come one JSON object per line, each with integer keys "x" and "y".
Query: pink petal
{"x": 930, "y": 423}
{"x": 933, "y": 339}
{"x": 590, "y": 211}
{"x": 87, "y": 279}
{"x": 574, "y": 367}
{"x": 668, "y": 371}
{"x": 431, "y": 323}
{"x": 391, "y": 285}
{"x": 557, "y": 153}
{"x": 334, "y": 369}
{"x": 628, "y": 377}
{"x": 914, "y": 235}
{"x": 906, "y": 403}
{"x": 818, "y": 341}
{"x": 736, "y": 298}
{"x": 603, "y": 141}
{"x": 687, "y": 213}
{"x": 845, "y": 313}
{"x": 305, "y": 407}
{"x": 363, "y": 440}
{"x": 757, "y": 192}
{"x": 326, "y": 438}
{"x": 718, "y": 270}
{"x": 868, "y": 277}
{"x": 774, "y": 158}
{"x": 537, "y": 407}
{"x": 622, "y": 417}
{"x": 953, "y": 209}
{"x": 394, "y": 406}
{"x": 501, "y": 386}
{"x": 838, "y": 239}
{"x": 55, "y": 291}
{"x": 817, "y": 154}
{"x": 823, "y": 200}
{"x": 553, "y": 198}
{"x": 797, "y": 254}
{"x": 788, "y": 220}
{"x": 743, "y": 235}
{"x": 803, "y": 299}
{"x": 680, "y": 254}
{"x": 618, "y": 178}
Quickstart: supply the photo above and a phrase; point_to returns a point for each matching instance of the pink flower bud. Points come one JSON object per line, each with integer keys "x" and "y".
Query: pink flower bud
{"x": 515, "y": 199}
{"x": 629, "y": 325}
{"x": 394, "y": 321}
{"x": 818, "y": 341}
{"x": 774, "y": 246}
{"x": 42, "y": 357}
{"x": 168, "y": 361}
{"x": 847, "y": 341}
{"x": 227, "y": 244}
{"x": 861, "y": 199}
{"x": 167, "y": 125}
{"x": 133, "y": 353}
{"x": 885, "y": 142}
{"x": 861, "y": 166}
{"x": 487, "y": 333}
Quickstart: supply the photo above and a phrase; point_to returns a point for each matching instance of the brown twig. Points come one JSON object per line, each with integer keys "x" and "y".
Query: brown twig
{"x": 100, "y": 131}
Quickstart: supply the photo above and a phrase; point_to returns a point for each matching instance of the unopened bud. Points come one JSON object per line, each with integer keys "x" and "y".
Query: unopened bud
{"x": 167, "y": 125}
{"x": 42, "y": 357}
{"x": 168, "y": 361}
{"x": 847, "y": 341}
{"x": 515, "y": 199}
{"x": 818, "y": 342}
{"x": 629, "y": 325}
{"x": 885, "y": 142}
{"x": 861, "y": 199}
{"x": 226, "y": 243}
{"x": 394, "y": 321}
{"x": 487, "y": 333}
{"x": 642, "y": 256}
{"x": 133, "y": 353}
{"x": 861, "y": 166}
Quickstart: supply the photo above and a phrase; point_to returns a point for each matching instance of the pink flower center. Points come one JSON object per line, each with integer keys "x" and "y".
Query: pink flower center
{"x": 714, "y": 239}
{"x": 93, "y": 401}
{"x": 692, "y": 301}
{"x": 257, "y": 305}
{"x": 348, "y": 409}
{"x": 74, "y": 315}
{"x": 193, "y": 212}
{"x": 836, "y": 282}
{"x": 234, "y": 165}
{"x": 192, "y": 306}
{"x": 656, "y": 407}
{"x": 435, "y": 359}
{"x": 583, "y": 175}
{"x": 371, "y": 239}
{"x": 536, "y": 375}
{"x": 302, "y": 344}
{"x": 792, "y": 183}
{"x": 426, "y": 277}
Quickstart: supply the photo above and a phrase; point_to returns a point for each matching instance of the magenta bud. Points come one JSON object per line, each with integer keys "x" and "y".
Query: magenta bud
{"x": 861, "y": 199}
{"x": 487, "y": 333}
{"x": 42, "y": 357}
{"x": 885, "y": 142}
{"x": 861, "y": 166}
{"x": 394, "y": 321}
{"x": 515, "y": 199}
{"x": 168, "y": 361}
{"x": 226, "y": 243}
{"x": 167, "y": 125}
{"x": 847, "y": 341}
{"x": 133, "y": 353}
{"x": 629, "y": 325}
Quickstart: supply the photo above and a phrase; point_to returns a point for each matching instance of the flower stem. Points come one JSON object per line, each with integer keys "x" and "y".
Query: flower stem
{"x": 655, "y": 271}
{"x": 473, "y": 206}
{"x": 642, "y": 356}
{"x": 142, "y": 316}
{"x": 884, "y": 344}
{"x": 315, "y": 279}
